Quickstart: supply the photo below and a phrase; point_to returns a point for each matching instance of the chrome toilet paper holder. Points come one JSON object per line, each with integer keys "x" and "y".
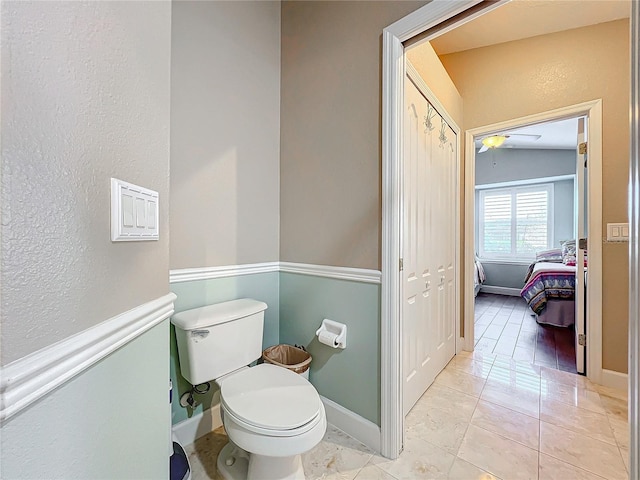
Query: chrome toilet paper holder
{"x": 332, "y": 333}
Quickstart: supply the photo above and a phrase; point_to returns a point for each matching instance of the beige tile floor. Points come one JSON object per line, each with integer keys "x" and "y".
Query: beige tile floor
{"x": 485, "y": 417}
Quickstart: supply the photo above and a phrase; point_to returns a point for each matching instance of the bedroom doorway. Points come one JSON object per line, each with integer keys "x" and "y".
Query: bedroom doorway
{"x": 587, "y": 185}
{"x": 529, "y": 209}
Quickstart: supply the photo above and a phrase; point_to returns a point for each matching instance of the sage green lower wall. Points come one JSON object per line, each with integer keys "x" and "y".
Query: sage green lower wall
{"x": 110, "y": 421}
{"x": 260, "y": 286}
{"x": 297, "y": 306}
{"x": 349, "y": 377}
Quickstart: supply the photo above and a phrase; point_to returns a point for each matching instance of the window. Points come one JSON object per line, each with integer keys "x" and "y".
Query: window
{"x": 515, "y": 222}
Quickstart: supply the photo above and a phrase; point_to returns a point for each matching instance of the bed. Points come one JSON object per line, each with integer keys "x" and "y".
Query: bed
{"x": 549, "y": 288}
{"x": 479, "y": 277}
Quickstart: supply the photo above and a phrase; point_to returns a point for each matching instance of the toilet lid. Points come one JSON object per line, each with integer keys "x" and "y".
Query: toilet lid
{"x": 270, "y": 397}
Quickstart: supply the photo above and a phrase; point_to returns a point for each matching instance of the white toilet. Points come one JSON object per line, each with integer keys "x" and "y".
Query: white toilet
{"x": 272, "y": 415}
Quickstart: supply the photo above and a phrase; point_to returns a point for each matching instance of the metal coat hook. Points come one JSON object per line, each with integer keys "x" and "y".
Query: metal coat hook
{"x": 431, "y": 112}
{"x": 443, "y": 137}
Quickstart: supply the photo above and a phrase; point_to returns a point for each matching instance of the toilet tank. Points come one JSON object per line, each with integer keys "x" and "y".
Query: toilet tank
{"x": 218, "y": 339}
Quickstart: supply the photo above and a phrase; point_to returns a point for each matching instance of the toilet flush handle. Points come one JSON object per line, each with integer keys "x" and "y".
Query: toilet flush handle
{"x": 199, "y": 334}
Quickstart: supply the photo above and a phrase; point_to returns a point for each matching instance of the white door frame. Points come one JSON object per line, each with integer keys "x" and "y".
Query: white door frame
{"x": 393, "y": 72}
{"x": 592, "y": 110}
{"x": 634, "y": 247}
{"x": 428, "y": 16}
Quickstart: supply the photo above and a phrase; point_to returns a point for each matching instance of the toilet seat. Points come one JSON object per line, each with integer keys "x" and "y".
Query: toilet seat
{"x": 271, "y": 400}
{"x": 269, "y": 432}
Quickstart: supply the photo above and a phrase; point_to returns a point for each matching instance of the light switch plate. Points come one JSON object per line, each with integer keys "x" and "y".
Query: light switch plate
{"x": 134, "y": 212}
{"x": 617, "y": 232}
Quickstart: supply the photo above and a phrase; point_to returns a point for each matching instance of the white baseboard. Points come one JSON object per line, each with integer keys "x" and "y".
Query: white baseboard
{"x": 363, "y": 430}
{"x": 613, "y": 379}
{"x": 514, "y": 292}
{"x": 352, "y": 424}
{"x": 189, "y": 430}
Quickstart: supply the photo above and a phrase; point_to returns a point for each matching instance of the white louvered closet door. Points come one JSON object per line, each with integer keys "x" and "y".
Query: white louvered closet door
{"x": 429, "y": 216}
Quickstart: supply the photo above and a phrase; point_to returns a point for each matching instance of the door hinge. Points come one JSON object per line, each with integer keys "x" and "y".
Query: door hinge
{"x": 582, "y": 148}
{"x": 582, "y": 244}
{"x": 401, "y": 265}
{"x": 582, "y": 339}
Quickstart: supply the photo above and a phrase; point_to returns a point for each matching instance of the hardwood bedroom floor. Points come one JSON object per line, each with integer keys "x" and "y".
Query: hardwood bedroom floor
{"x": 504, "y": 325}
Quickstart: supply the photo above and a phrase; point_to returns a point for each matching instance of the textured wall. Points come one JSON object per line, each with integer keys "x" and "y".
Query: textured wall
{"x": 331, "y": 145}
{"x": 426, "y": 62}
{"x": 551, "y": 71}
{"x": 225, "y": 133}
{"x": 85, "y": 96}
{"x": 109, "y": 422}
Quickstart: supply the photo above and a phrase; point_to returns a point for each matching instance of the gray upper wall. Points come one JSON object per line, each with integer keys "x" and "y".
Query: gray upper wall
{"x": 85, "y": 97}
{"x": 235, "y": 197}
{"x": 510, "y": 164}
{"x": 225, "y": 133}
{"x": 331, "y": 122}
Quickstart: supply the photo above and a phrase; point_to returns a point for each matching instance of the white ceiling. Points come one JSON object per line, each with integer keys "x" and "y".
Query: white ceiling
{"x": 560, "y": 135}
{"x": 520, "y": 19}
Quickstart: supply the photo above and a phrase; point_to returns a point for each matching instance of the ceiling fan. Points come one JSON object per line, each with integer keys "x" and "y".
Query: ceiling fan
{"x": 497, "y": 140}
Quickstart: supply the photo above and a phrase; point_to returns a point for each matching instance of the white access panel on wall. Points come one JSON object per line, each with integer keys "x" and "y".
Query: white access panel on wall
{"x": 134, "y": 212}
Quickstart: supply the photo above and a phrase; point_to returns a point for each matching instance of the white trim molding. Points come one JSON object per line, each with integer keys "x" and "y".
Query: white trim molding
{"x": 431, "y": 97}
{"x": 634, "y": 246}
{"x": 617, "y": 380}
{"x": 339, "y": 273}
{"x": 208, "y": 273}
{"x": 191, "y": 429}
{"x": 513, "y": 292}
{"x": 352, "y": 424}
{"x": 34, "y": 376}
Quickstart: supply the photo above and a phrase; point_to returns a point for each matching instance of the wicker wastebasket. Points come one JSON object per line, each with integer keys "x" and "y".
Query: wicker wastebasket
{"x": 289, "y": 357}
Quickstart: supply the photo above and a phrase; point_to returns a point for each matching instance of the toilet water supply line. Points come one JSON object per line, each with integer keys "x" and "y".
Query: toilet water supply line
{"x": 188, "y": 400}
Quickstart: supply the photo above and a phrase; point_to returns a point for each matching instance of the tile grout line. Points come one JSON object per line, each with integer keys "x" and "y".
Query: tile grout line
{"x": 574, "y": 466}
{"x": 571, "y": 431}
{"x": 620, "y": 447}
{"x": 361, "y": 468}
{"x": 492, "y": 433}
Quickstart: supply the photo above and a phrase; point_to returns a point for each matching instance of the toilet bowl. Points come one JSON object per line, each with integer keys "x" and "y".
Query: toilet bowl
{"x": 271, "y": 416}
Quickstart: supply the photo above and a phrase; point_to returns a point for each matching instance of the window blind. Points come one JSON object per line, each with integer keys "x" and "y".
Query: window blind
{"x": 515, "y": 222}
